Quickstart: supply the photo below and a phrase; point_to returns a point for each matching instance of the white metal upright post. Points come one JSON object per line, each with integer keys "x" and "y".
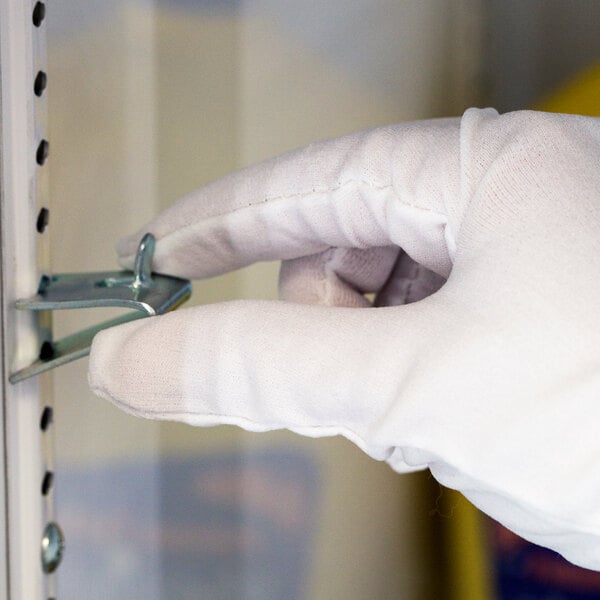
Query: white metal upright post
{"x": 26, "y": 485}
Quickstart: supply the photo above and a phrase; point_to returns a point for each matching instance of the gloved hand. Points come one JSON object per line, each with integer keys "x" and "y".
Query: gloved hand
{"x": 492, "y": 382}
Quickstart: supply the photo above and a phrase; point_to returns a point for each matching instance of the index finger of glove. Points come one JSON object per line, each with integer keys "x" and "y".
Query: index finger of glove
{"x": 375, "y": 188}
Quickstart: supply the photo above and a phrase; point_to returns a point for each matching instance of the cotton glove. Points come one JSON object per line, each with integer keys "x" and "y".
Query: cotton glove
{"x": 492, "y": 382}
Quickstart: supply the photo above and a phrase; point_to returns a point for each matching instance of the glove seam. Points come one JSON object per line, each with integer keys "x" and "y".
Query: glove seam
{"x": 284, "y": 197}
{"x": 229, "y": 419}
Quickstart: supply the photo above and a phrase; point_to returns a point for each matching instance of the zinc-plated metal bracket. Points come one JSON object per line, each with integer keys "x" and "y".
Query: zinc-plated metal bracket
{"x": 144, "y": 292}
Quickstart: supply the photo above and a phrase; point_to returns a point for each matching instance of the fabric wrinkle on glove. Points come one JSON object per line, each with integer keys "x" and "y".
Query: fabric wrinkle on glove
{"x": 489, "y": 379}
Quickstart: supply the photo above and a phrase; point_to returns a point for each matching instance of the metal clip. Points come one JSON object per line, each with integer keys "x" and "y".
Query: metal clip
{"x": 146, "y": 293}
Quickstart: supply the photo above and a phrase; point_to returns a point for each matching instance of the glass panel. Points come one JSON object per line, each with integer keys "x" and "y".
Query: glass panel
{"x": 146, "y": 102}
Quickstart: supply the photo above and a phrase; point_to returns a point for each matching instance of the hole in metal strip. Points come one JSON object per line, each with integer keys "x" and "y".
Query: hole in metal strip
{"x": 39, "y": 13}
{"x": 46, "y": 418}
{"x": 40, "y": 83}
{"x": 42, "y": 220}
{"x": 47, "y": 482}
{"x": 42, "y": 152}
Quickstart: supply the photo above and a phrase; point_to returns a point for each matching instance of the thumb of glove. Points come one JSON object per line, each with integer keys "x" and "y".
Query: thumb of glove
{"x": 314, "y": 370}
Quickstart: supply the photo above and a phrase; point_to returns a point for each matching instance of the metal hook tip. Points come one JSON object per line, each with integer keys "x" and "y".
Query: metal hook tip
{"x": 142, "y": 268}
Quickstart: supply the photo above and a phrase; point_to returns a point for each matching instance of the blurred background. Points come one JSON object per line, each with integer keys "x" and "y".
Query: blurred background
{"x": 149, "y": 99}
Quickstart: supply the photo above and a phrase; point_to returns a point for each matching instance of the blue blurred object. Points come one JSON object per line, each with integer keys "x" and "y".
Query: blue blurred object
{"x": 218, "y": 526}
{"x": 525, "y": 571}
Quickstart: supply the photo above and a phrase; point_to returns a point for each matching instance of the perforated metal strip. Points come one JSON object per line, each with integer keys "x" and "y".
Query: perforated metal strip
{"x": 25, "y": 156}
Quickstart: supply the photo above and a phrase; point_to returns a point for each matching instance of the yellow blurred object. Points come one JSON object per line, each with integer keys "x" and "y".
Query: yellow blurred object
{"x": 470, "y": 567}
{"x": 581, "y": 95}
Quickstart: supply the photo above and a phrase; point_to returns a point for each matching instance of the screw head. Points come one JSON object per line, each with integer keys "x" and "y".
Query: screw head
{"x": 53, "y": 547}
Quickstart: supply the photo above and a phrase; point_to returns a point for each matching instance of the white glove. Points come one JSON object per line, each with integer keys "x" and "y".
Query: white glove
{"x": 492, "y": 382}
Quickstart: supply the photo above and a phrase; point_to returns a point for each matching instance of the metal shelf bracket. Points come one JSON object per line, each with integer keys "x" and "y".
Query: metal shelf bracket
{"x": 146, "y": 293}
